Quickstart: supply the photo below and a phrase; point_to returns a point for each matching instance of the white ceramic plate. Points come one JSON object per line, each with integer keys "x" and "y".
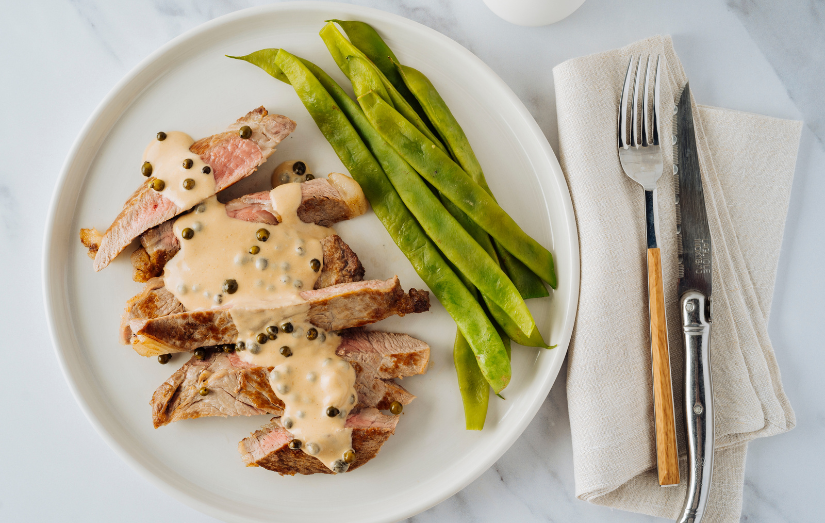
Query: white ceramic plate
{"x": 188, "y": 85}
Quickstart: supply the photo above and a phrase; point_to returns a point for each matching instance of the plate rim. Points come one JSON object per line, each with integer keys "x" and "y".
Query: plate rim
{"x": 55, "y": 293}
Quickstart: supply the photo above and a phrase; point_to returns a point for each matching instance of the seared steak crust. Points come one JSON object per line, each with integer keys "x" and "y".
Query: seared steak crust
{"x": 267, "y": 446}
{"x": 332, "y": 309}
{"x": 186, "y": 330}
{"x": 235, "y": 389}
{"x": 153, "y": 301}
{"x": 231, "y": 157}
{"x": 341, "y": 264}
{"x": 325, "y": 206}
{"x": 158, "y": 246}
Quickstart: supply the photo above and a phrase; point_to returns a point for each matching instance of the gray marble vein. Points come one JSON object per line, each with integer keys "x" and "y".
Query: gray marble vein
{"x": 60, "y": 59}
{"x": 792, "y": 37}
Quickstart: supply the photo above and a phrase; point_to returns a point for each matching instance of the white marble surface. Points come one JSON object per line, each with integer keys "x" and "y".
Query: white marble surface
{"x": 61, "y": 57}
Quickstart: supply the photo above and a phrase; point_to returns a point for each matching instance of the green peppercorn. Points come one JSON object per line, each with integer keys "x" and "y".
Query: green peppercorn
{"x": 240, "y": 346}
{"x": 146, "y": 169}
{"x": 200, "y": 353}
{"x": 272, "y": 330}
{"x": 163, "y": 359}
{"x": 349, "y": 456}
{"x": 189, "y": 184}
{"x": 310, "y": 176}
{"x": 206, "y": 170}
{"x": 262, "y": 338}
{"x": 204, "y": 391}
{"x": 315, "y": 264}
{"x": 287, "y": 327}
{"x": 285, "y": 351}
{"x": 245, "y": 132}
{"x": 254, "y": 249}
{"x": 332, "y": 412}
{"x": 158, "y": 184}
{"x": 299, "y": 168}
{"x": 161, "y": 136}
{"x": 187, "y": 233}
{"x": 295, "y": 444}
{"x": 396, "y": 408}
{"x": 262, "y": 235}
{"x": 230, "y": 286}
{"x": 228, "y": 348}
{"x": 312, "y": 333}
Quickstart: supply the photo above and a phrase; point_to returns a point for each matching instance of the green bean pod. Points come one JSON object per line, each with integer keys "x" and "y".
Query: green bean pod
{"x": 340, "y": 48}
{"x": 437, "y": 111}
{"x": 368, "y": 41}
{"x": 475, "y": 391}
{"x": 418, "y": 91}
{"x": 338, "y": 116}
{"x": 367, "y": 78}
{"x": 534, "y": 338}
{"x": 448, "y": 228}
{"x": 448, "y": 177}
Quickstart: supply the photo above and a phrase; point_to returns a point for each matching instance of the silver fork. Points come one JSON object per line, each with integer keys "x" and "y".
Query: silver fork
{"x": 641, "y": 158}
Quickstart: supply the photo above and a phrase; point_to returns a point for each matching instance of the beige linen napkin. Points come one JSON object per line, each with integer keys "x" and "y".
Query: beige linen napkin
{"x": 747, "y": 164}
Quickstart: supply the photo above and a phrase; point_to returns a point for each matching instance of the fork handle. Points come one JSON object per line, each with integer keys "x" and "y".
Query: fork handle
{"x": 667, "y": 456}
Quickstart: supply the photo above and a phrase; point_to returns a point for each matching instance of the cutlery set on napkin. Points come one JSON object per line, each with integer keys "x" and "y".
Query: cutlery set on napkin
{"x": 712, "y": 227}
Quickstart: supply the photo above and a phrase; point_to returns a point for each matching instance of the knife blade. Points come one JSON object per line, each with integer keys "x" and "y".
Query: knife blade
{"x": 692, "y": 228}
{"x": 695, "y": 285}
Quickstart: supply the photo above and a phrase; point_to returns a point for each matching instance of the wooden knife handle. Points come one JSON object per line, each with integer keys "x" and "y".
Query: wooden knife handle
{"x": 667, "y": 455}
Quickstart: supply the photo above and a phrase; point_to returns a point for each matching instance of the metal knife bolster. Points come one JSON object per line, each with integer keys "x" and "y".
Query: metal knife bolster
{"x": 698, "y": 403}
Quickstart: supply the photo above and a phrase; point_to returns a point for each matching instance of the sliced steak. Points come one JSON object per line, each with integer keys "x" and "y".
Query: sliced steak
{"x": 334, "y": 308}
{"x": 153, "y": 301}
{"x": 267, "y": 446}
{"x": 356, "y": 304}
{"x": 91, "y": 238}
{"x": 383, "y": 354}
{"x": 231, "y": 158}
{"x": 341, "y": 265}
{"x": 241, "y": 389}
{"x": 256, "y": 207}
{"x": 321, "y": 204}
{"x": 235, "y": 389}
{"x": 158, "y": 246}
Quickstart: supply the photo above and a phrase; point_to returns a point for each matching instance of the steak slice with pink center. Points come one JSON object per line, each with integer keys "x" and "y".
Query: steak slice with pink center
{"x": 267, "y": 447}
{"x": 341, "y": 265}
{"x": 321, "y": 203}
{"x": 237, "y": 388}
{"x": 333, "y": 308}
{"x": 231, "y": 158}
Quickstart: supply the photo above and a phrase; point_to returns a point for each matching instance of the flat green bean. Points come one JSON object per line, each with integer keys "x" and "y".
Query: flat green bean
{"x": 475, "y": 391}
{"x": 448, "y": 177}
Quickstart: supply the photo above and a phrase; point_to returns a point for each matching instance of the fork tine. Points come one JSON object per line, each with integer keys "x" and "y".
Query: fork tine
{"x": 646, "y": 123}
{"x": 656, "y": 101}
{"x": 623, "y": 109}
{"x": 634, "y": 140}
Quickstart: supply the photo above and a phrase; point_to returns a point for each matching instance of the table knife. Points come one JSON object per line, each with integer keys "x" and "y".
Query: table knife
{"x": 695, "y": 283}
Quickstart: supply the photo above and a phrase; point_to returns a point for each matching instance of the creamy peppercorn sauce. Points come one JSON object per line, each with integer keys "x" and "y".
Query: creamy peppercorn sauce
{"x": 215, "y": 267}
{"x": 167, "y": 158}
